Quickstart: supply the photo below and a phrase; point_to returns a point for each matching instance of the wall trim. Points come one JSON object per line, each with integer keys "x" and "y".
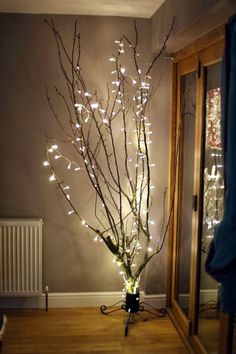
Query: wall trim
{"x": 63, "y": 300}
{"x": 205, "y": 296}
{"x": 209, "y": 295}
{"x": 94, "y": 299}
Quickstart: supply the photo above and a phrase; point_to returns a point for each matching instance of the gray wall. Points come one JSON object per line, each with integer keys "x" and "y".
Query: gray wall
{"x": 72, "y": 261}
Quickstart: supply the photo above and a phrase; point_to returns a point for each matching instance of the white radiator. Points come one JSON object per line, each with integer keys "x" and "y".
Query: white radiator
{"x": 20, "y": 257}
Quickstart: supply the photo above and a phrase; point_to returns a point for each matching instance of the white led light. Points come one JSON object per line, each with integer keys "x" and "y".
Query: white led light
{"x": 79, "y": 108}
{"x": 94, "y": 105}
{"x": 117, "y": 83}
{"x": 52, "y": 178}
{"x": 87, "y": 118}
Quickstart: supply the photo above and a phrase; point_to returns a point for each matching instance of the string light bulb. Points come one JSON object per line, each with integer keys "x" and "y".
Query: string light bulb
{"x": 52, "y": 178}
{"x": 94, "y": 105}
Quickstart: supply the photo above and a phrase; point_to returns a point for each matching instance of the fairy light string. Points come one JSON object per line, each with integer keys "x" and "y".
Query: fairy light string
{"x": 111, "y": 141}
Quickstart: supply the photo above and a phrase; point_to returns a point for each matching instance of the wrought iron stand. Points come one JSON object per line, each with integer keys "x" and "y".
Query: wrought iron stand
{"x": 132, "y": 306}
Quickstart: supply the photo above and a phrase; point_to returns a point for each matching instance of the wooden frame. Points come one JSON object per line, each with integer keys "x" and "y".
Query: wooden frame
{"x": 197, "y": 56}
{"x": 186, "y": 66}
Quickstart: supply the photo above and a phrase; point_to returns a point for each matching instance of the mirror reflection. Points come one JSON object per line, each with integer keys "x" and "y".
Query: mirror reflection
{"x": 213, "y": 199}
{"x": 186, "y": 167}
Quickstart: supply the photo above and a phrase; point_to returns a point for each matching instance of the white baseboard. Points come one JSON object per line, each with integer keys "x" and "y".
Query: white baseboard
{"x": 63, "y": 300}
{"x": 208, "y": 295}
{"x": 95, "y": 299}
{"x": 205, "y": 296}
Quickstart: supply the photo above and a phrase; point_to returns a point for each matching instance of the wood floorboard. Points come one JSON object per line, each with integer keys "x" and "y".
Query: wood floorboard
{"x": 208, "y": 333}
{"x": 87, "y": 331}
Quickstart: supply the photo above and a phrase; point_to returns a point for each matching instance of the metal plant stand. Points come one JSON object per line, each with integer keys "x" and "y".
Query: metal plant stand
{"x": 132, "y": 306}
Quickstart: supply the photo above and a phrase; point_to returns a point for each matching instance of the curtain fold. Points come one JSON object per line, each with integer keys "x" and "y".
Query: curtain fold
{"x": 221, "y": 260}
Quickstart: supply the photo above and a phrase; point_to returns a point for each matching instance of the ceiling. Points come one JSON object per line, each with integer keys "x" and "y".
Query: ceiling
{"x": 126, "y": 8}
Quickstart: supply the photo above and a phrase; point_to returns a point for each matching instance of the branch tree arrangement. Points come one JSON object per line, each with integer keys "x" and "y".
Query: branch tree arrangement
{"x": 110, "y": 139}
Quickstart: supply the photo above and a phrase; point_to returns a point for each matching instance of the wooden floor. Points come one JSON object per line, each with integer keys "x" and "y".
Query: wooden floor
{"x": 208, "y": 333}
{"x": 78, "y": 331}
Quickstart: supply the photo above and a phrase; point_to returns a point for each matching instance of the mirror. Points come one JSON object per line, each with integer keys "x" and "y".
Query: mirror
{"x": 213, "y": 198}
{"x": 185, "y": 186}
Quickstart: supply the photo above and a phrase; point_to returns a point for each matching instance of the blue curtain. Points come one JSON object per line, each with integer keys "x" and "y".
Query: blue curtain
{"x": 221, "y": 260}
